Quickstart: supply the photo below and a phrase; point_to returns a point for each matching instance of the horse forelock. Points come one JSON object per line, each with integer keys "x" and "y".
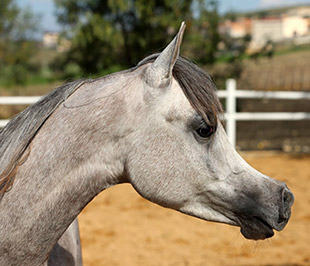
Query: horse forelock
{"x": 197, "y": 86}
{"x": 17, "y": 135}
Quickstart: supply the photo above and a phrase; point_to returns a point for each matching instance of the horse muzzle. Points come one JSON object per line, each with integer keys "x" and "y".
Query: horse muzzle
{"x": 261, "y": 223}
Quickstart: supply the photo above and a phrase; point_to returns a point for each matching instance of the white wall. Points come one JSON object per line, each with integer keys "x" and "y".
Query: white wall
{"x": 294, "y": 26}
{"x": 267, "y": 29}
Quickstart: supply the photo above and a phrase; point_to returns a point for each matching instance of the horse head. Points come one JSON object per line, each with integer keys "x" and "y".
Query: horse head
{"x": 180, "y": 156}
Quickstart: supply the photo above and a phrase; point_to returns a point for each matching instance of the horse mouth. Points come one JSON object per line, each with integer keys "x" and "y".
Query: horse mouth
{"x": 256, "y": 229}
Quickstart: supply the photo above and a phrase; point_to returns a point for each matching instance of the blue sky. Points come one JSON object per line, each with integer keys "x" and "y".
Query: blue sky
{"x": 46, "y": 8}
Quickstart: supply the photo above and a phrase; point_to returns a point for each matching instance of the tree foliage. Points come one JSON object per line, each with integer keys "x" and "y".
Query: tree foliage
{"x": 109, "y": 33}
{"x": 16, "y": 48}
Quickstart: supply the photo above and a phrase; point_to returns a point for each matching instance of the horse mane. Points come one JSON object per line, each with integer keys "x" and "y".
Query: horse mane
{"x": 17, "y": 135}
{"x": 198, "y": 87}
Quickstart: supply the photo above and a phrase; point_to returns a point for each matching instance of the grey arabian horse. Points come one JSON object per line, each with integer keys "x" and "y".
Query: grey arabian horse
{"x": 155, "y": 126}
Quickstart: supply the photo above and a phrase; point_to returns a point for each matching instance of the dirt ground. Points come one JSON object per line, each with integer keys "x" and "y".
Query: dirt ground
{"x": 120, "y": 228}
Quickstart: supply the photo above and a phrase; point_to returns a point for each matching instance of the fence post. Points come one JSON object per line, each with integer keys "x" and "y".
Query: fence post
{"x": 231, "y": 110}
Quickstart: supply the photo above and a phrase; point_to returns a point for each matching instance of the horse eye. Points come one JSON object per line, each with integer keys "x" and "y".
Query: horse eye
{"x": 205, "y": 131}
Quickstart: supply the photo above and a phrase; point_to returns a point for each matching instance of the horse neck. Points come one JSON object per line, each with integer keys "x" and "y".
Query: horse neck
{"x": 74, "y": 156}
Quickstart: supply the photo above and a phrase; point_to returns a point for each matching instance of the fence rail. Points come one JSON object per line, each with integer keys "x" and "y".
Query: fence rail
{"x": 231, "y": 115}
{"x": 18, "y": 100}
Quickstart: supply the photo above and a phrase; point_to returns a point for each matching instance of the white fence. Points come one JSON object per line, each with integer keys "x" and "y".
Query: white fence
{"x": 231, "y": 94}
{"x": 16, "y": 100}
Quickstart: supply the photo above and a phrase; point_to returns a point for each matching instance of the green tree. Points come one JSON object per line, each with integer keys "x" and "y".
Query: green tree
{"x": 104, "y": 32}
{"x": 16, "y": 48}
{"x": 204, "y": 36}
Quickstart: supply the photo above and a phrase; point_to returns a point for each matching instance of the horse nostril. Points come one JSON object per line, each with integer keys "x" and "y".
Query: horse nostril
{"x": 288, "y": 198}
{"x": 281, "y": 219}
{"x": 287, "y": 201}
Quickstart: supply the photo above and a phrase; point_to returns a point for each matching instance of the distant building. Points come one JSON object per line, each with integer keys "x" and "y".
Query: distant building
{"x": 50, "y": 39}
{"x": 266, "y": 29}
{"x": 292, "y": 25}
{"x": 236, "y": 29}
{"x": 53, "y": 40}
{"x": 278, "y": 29}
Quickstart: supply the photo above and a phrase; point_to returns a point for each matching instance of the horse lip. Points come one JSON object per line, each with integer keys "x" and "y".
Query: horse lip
{"x": 256, "y": 228}
{"x": 262, "y": 221}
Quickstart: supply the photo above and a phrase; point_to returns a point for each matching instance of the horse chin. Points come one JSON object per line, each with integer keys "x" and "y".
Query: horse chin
{"x": 256, "y": 229}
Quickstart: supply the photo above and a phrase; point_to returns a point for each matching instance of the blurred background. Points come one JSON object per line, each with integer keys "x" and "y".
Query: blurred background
{"x": 263, "y": 44}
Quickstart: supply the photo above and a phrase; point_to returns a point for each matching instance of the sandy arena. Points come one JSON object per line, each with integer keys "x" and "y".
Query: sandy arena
{"x": 119, "y": 227}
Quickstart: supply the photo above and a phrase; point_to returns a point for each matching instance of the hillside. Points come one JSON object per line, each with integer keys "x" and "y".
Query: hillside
{"x": 284, "y": 71}
{"x": 269, "y": 11}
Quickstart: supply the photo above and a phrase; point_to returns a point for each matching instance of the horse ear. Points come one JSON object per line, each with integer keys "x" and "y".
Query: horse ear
{"x": 160, "y": 72}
